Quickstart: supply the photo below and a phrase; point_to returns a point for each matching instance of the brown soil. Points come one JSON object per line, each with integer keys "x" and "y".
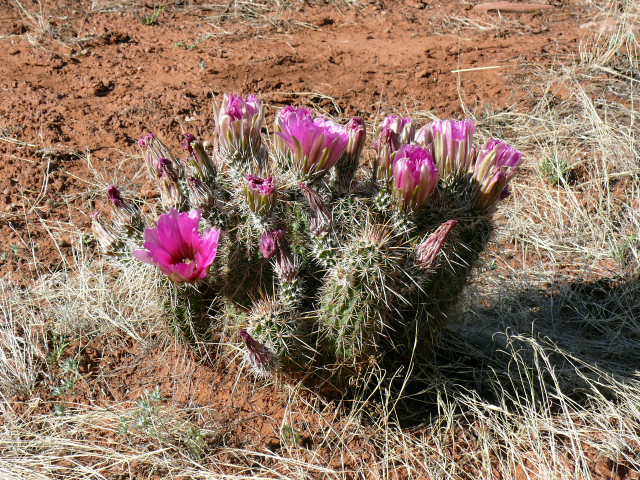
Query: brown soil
{"x": 77, "y": 93}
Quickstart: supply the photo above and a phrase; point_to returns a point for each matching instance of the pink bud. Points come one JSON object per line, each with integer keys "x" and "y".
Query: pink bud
{"x": 427, "y": 252}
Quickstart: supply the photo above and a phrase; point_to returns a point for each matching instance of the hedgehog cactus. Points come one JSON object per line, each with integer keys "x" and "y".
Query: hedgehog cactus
{"x": 319, "y": 275}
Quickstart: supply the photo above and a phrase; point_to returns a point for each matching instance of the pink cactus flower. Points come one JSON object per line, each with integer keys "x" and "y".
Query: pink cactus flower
{"x": 414, "y": 178}
{"x": 451, "y": 145}
{"x": 239, "y": 123}
{"x": 496, "y": 164}
{"x": 315, "y": 144}
{"x": 350, "y": 159}
{"x": 176, "y": 247}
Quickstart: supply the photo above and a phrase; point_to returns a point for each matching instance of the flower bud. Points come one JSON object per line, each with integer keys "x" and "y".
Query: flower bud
{"x": 321, "y": 222}
{"x": 350, "y": 160}
{"x": 155, "y": 150}
{"x": 285, "y": 267}
{"x": 427, "y": 251}
{"x": 198, "y": 157}
{"x": 270, "y": 241}
{"x": 108, "y": 240}
{"x": 167, "y": 181}
{"x": 126, "y": 216}
{"x": 259, "y": 356}
{"x": 261, "y": 195}
{"x": 414, "y": 178}
{"x": 392, "y": 133}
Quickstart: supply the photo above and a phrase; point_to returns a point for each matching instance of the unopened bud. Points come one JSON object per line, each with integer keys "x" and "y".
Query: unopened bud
{"x": 261, "y": 195}
{"x": 167, "y": 181}
{"x": 427, "y": 251}
{"x": 259, "y": 356}
{"x": 125, "y": 215}
{"x": 321, "y": 223}
{"x": 270, "y": 241}
{"x": 108, "y": 240}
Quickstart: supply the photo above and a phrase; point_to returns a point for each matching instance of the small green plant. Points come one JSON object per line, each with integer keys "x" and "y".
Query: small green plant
{"x": 59, "y": 344}
{"x": 60, "y": 410}
{"x": 291, "y": 435}
{"x": 150, "y": 18}
{"x": 65, "y": 387}
{"x": 195, "y": 441}
{"x": 194, "y": 45}
{"x": 15, "y": 248}
{"x": 554, "y": 170}
{"x": 145, "y": 415}
{"x": 3, "y": 256}
{"x": 621, "y": 251}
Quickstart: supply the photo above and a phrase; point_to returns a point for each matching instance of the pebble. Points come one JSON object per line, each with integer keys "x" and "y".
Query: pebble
{"x": 207, "y": 144}
{"x": 511, "y": 7}
{"x": 62, "y": 242}
{"x": 10, "y": 208}
{"x": 7, "y": 191}
{"x": 422, "y": 74}
{"x": 13, "y": 51}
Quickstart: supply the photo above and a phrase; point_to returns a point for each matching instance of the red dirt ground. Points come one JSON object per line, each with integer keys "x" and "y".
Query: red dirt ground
{"x": 95, "y": 82}
{"x": 97, "y": 79}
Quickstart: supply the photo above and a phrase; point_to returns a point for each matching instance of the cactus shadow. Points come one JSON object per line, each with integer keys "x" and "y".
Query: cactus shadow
{"x": 529, "y": 347}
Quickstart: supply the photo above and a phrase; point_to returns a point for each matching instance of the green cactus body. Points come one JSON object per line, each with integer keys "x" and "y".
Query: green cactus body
{"x": 281, "y": 330}
{"x": 326, "y": 278}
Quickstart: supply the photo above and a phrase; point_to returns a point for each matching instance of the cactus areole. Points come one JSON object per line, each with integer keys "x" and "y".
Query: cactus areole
{"x": 317, "y": 265}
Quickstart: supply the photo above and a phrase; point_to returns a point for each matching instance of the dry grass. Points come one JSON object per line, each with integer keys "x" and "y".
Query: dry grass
{"x": 538, "y": 376}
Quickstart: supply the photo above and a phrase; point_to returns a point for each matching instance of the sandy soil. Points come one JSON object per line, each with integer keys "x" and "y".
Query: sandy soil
{"x": 81, "y": 86}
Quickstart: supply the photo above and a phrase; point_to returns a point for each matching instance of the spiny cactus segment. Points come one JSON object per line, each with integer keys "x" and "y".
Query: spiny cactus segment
{"x": 320, "y": 268}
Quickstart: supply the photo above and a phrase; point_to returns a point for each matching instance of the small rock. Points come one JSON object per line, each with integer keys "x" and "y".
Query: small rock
{"x": 207, "y": 144}
{"x": 387, "y": 30}
{"x": 13, "y": 51}
{"x": 7, "y": 191}
{"x": 510, "y": 7}
{"x": 422, "y": 74}
{"x": 63, "y": 243}
{"x": 10, "y": 208}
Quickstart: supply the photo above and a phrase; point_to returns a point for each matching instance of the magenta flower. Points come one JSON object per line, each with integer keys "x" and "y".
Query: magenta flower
{"x": 451, "y": 145}
{"x": 414, "y": 178}
{"x": 261, "y": 194}
{"x": 239, "y": 123}
{"x": 315, "y": 144}
{"x": 496, "y": 164}
{"x": 176, "y": 247}
{"x": 279, "y": 146}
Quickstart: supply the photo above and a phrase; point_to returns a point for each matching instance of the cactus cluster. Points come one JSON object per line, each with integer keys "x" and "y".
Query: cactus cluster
{"x": 323, "y": 266}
